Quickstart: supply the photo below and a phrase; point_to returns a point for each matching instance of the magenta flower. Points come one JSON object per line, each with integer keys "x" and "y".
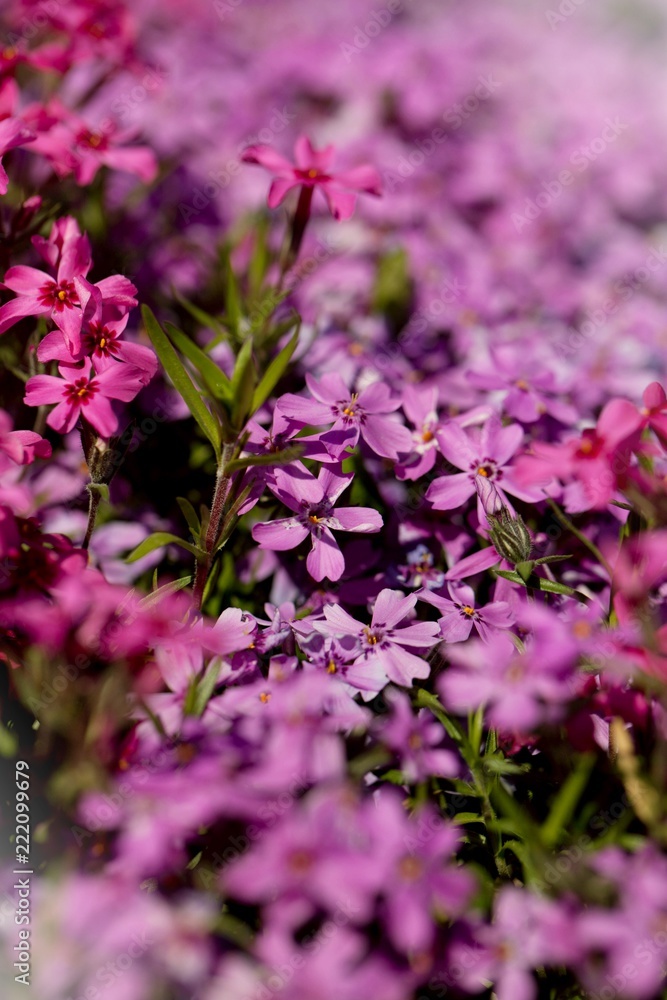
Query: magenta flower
{"x": 38, "y": 294}
{"x": 416, "y": 738}
{"x": 459, "y": 613}
{"x": 13, "y": 133}
{"x": 590, "y": 464}
{"x": 382, "y": 646}
{"x": 101, "y": 333}
{"x": 362, "y": 413}
{"x": 22, "y": 447}
{"x": 72, "y": 146}
{"x": 80, "y": 392}
{"x": 484, "y": 455}
{"x": 528, "y": 931}
{"x": 421, "y": 874}
{"x": 519, "y": 691}
{"x": 312, "y": 501}
{"x": 311, "y": 170}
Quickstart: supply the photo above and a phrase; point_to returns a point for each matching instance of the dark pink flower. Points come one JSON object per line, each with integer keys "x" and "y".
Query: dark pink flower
{"x": 311, "y": 170}
{"x": 590, "y": 464}
{"x": 22, "y": 447}
{"x": 80, "y": 392}
{"x": 101, "y": 334}
{"x": 13, "y": 133}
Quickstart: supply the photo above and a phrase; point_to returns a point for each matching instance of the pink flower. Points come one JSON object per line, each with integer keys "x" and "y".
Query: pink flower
{"x": 72, "y": 146}
{"x": 590, "y": 464}
{"x": 311, "y": 170}
{"x": 381, "y": 644}
{"x": 79, "y": 392}
{"x": 362, "y": 413}
{"x": 420, "y": 405}
{"x": 67, "y": 252}
{"x": 312, "y": 501}
{"x": 22, "y": 447}
{"x": 459, "y": 613}
{"x": 655, "y": 410}
{"x": 13, "y": 133}
{"x": 101, "y": 335}
{"x": 485, "y": 455}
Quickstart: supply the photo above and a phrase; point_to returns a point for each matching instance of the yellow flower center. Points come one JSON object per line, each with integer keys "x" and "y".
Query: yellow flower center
{"x": 264, "y": 697}
{"x": 467, "y": 610}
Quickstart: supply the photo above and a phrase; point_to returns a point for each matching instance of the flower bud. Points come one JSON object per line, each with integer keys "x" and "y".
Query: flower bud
{"x": 510, "y": 536}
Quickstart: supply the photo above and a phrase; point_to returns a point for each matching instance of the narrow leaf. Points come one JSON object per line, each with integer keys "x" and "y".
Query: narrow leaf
{"x": 275, "y": 372}
{"x": 215, "y": 379}
{"x": 190, "y": 515}
{"x": 180, "y": 378}
{"x": 156, "y": 541}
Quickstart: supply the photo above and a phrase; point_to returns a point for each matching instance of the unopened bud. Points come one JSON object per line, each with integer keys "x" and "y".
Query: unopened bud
{"x": 510, "y": 536}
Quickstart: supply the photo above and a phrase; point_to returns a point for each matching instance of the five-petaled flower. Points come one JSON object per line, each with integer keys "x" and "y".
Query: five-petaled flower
{"x": 312, "y": 502}
{"x": 310, "y": 171}
{"x": 81, "y": 392}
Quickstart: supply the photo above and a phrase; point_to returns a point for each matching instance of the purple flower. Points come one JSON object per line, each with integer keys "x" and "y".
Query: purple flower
{"x": 420, "y": 407}
{"x": 381, "y": 644}
{"x": 312, "y": 501}
{"x": 528, "y": 931}
{"x": 459, "y": 613}
{"x": 484, "y": 454}
{"x": 416, "y": 738}
{"x": 531, "y": 386}
{"x": 419, "y": 877}
{"x": 362, "y": 413}
{"x": 520, "y": 690}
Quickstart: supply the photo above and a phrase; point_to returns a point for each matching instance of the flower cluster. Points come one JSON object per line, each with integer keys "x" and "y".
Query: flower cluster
{"x": 333, "y": 594}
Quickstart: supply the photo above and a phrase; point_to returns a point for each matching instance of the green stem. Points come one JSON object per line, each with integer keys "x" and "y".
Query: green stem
{"x": 591, "y": 546}
{"x": 93, "y": 505}
{"x": 223, "y": 482}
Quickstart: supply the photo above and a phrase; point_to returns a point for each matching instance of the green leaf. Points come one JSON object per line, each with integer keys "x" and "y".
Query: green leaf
{"x": 167, "y": 588}
{"x": 207, "y": 686}
{"x": 468, "y": 817}
{"x": 566, "y": 800}
{"x": 190, "y": 515}
{"x": 8, "y": 742}
{"x": 233, "y": 301}
{"x": 275, "y": 371}
{"x": 180, "y": 379}
{"x": 156, "y": 541}
{"x": 243, "y": 385}
{"x": 525, "y": 569}
{"x": 208, "y": 321}
{"x": 215, "y": 379}
{"x": 274, "y": 458}
{"x": 100, "y": 488}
